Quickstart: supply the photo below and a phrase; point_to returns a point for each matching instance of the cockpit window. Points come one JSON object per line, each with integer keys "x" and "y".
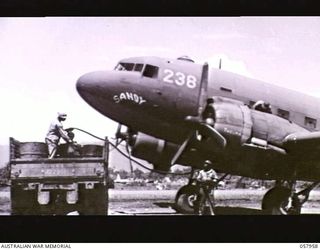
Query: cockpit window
{"x": 148, "y": 71}
{"x": 151, "y": 71}
{"x": 138, "y": 67}
{"x": 125, "y": 66}
{"x": 129, "y": 67}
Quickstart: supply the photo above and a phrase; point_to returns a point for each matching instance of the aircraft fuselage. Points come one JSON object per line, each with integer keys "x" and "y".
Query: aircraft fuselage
{"x": 154, "y": 96}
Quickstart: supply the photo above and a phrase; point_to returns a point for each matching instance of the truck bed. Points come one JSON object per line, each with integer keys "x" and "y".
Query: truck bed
{"x": 59, "y": 185}
{"x": 47, "y": 169}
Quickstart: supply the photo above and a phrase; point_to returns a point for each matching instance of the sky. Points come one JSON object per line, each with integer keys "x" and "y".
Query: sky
{"x": 42, "y": 58}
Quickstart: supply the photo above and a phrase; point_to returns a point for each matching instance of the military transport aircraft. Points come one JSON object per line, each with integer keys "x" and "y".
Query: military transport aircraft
{"x": 181, "y": 112}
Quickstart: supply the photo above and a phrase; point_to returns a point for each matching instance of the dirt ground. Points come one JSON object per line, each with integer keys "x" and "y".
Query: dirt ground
{"x": 227, "y": 202}
{"x": 161, "y": 202}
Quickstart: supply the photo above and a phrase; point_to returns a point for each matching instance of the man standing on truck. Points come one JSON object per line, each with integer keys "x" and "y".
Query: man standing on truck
{"x": 54, "y": 134}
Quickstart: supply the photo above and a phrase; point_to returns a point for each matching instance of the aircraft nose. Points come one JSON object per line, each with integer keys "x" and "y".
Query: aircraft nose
{"x": 93, "y": 82}
{"x": 101, "y": 90}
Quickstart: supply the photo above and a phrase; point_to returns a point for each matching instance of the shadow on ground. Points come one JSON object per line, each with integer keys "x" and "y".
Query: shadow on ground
{"x": 219, "y": 210}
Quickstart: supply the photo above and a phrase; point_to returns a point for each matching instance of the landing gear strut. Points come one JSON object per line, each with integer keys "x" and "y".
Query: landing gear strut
{"x": 283, "y": 200}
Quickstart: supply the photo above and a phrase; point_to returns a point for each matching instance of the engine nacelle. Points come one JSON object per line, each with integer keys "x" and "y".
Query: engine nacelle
{"x": 239, "y": 124}
{"x": 234, "y": 120}
{"x": 156, "y": 151}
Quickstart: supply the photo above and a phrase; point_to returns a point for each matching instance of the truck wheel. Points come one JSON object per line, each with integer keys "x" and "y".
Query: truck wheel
{"x": 93, "y": 201}
{"x": 23, "y": 202}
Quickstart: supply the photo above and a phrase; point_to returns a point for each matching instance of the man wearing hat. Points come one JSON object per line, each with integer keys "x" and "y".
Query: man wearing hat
{"x": 207, "y": 174}
{"x": 207, "y": 180}
{"x": 262, "y": 106}
{"x": 54, "y": 134}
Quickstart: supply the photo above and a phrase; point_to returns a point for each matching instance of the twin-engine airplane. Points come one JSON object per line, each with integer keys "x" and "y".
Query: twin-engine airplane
{"x": 180, "y": 112}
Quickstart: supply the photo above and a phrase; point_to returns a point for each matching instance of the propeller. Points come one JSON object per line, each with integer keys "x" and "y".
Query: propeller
{"x": 118, "y": 135}
{"x": 182, "y": 149}
{"x": 205, "y": 130}
{"x": 130, "y": 159}
{"x": 125, "y": 136}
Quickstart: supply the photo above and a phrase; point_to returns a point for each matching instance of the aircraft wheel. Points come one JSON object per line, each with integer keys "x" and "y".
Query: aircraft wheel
{"x": 186, "y": 198}
{"x": 278, "y": 201}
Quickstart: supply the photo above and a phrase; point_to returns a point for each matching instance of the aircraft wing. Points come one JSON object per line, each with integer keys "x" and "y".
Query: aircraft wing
{"x": 306, "y": 143}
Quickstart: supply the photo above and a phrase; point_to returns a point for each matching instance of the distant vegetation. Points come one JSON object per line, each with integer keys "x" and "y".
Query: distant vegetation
{"x": 139, "y": 174}
{"x": 4, "y": 175}
{"x": 230, "y": 182}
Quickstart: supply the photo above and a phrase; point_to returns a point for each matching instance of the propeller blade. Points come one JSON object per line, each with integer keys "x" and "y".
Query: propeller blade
{"x": 181, "y": 149}
{"x": 130, "y": 160}
{"x": 207, "y": 131}
{"x": 210, "y": 132}
{"x": 118, "y": 131}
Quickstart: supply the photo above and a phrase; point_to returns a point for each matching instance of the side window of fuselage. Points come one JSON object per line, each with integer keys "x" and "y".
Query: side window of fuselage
{"x": 310, "y": 122}
{"x": 151, "y": 71}
{"x": 284, "y": 114}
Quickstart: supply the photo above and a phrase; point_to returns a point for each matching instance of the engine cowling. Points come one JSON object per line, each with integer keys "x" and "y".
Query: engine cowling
{"x": 232, "y": 119}
{"x": 239, "y": 124}
{"x": 156, "y": 151}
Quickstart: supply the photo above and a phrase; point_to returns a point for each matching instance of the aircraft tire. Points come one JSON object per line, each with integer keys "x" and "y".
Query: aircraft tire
{"x": 275, "y": 201}
{"x": 185, "y": 198}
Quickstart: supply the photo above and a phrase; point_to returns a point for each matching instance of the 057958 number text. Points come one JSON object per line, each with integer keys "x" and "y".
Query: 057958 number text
{"x": 309, "y": 245}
